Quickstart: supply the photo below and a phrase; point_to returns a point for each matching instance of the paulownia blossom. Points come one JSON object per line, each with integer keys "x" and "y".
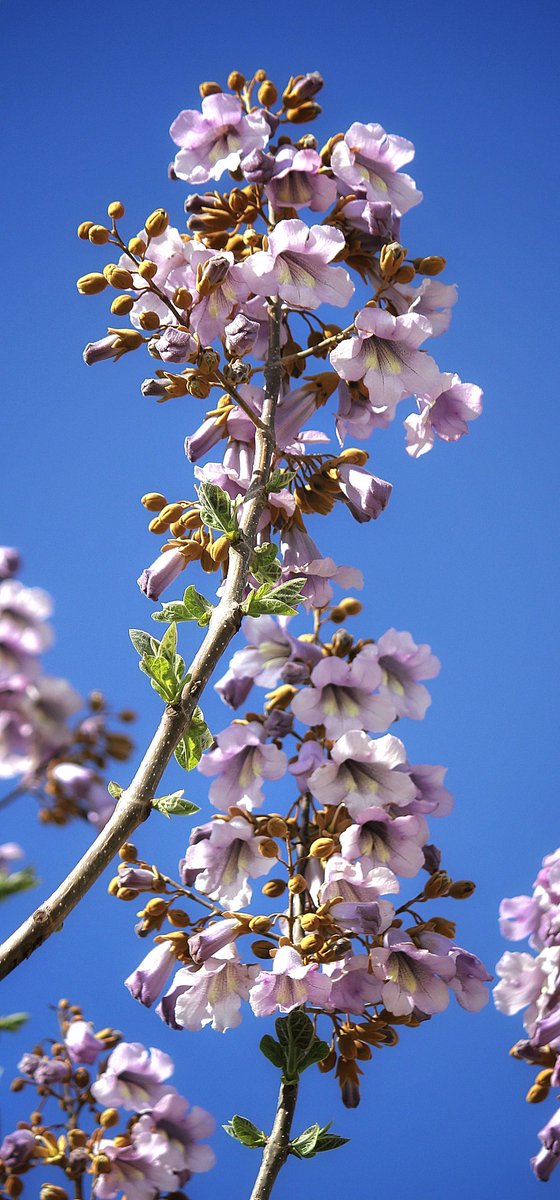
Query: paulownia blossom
{"x": 368, "y": 160}
{"x": 215, "y": 140}
{"x": 444, "y": 416}
{"x": 296, "y": 266}
{"x": 242, "y": 760}
{"x": 361, "y": 772}
{"x": 342, "y": 697}
{"x": 221, "y": 863}
{"x": 385, "y": 355}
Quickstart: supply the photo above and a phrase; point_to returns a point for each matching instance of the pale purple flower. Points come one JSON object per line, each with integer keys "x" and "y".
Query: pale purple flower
{"x": 23, "y": 615}
{"x": 374, "y": 218}
{"x": 411, "y": 978}
{"x": 380, "y": 839}
{"x": 362, "y": 916}
{"x": 445, "y": 415}
{"x": 162, "y": 573}
{"x": 403, "y": 663}
{"x": 356, "y": 883}
{"x": 210, "y": 995}
{"x": 82, "y": 1044}
{"x": 10, "y": 564}
{"x": 366, "y": 495}
{"x": 433, "y": 300}
{"x": 289, "y": 985}
{"x": 520, "y": 916}
{"x": 258, "y": 166}
{"x": 298, "y": 182}
{"x": 175, "y": 346}
{"x": 215, "y": 305}
{"x": 548, "y": 1157}
{"x": 241, "y": 761}
{"x": 134, "y": 1078}
{"x": 215, "y": 140}
{"x": 355, "y": 416}
{"x": 296, "y": 266}
{"x": 521, "y": 979}
{"x": 301, "y": 557}
{"x": 368, "y": 160}
{"x": 149, "y": 978}
{"x": 172, "y": 254}
{"x": 225, "y": 860}
{"x": 17, "y": 1149}
{"x": 432, "y": 797}
{"x": 352, "y": 984}
{"x": 271, "y": 648}
{"x": 43, "y": 1070}
{"x": 362, "y": 772}
{"x": 214, "y": 937}
{"x": 310, "y": 756}
{"x": 386, "y": 357}
{"x": 241, "y": 334}
{"x": 10, "y": 852}
{"x": 183, "y": 1128}
{"x": 295, "y": 407}
{"x": 342, "y": 699}
{"x": 81, "y": 786}
{"x": 141, "y": 1169}
{"x": 470, "y": 979}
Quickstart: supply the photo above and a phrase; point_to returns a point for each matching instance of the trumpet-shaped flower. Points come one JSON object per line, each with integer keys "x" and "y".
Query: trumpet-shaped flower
{"x": 296, "y": 266}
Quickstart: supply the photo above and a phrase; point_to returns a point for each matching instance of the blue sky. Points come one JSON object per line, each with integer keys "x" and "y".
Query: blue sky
{"x": 465, "y": 556}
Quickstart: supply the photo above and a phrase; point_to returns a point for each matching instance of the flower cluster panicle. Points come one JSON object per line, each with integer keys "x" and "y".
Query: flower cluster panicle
{"x": 325, "y": 930}
{"x": 531, "y": 981}
{"x": 87, "y": 1085}
{"x": 56, "y": 758}
{"x": 310, "y": 225}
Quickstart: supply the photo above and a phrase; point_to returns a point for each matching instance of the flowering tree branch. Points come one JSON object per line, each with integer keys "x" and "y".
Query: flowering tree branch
{"x": 134, "y": 805}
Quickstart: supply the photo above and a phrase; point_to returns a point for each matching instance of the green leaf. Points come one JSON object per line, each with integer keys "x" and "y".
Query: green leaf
{"x": 279, "y": 479}
{"x": 174, "y": 805}
{"x": 272, "y": 1050}
{"x": 245, "y": 1132}
{"x": 14, "y": 1022}
{"x": 168, "y": 644}
{"x": 330, "y": 1141}
{"x": 162, "y": 675}
{"x": 115, "y": 790}
{"x": 144, "y": 643}
{"x": 281, "y": 600}
{"x": 296, "y": 1036}
{"x": 196, "y": 740}
{"x": 216, "y": 509}
{"x": 193, "y": 607}
{"x": 265, "y": 565}
{"x": 304, "y": 1145}
{"x": 18, "y": 881}
{"x": 316, "y": 1053}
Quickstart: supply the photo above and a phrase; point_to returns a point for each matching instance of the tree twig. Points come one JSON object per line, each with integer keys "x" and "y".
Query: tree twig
{"x": 276, "y": 1150}
{"x": 134, "y": 805}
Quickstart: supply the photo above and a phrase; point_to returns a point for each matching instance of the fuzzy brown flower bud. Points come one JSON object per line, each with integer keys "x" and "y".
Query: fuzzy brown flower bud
{"x": 261, "y": 948}
{"x": 153, "y": 501}
{"x": 83, "y": 230}
{"x": 274, "y": 888}
{"x": 434, "y": 264}
{"x": 268, "y": 848}
{"x": 209, "y": 89}
{"x": 149, "y": 321}
{"x": 117, "y": 276}
{"x": 98, "y": 235}
{"x": 116, "y": 210}
{"x": 296, "y": 885}
{"x": 137, "y": 246}
{"x": 91, "y": 285}
{"x": 461, "y": 889}
{"x": 437, "y": 885}
{"x": 157, "y": 222}
{"x": 147, "y": 270}
{"x": 267, "y": 93}
{"x": 121, "y": 305}
{"x": 235, "y": 81}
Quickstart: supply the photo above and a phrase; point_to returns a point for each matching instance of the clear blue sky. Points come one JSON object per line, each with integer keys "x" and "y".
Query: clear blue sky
{"x": 465, "y": 556}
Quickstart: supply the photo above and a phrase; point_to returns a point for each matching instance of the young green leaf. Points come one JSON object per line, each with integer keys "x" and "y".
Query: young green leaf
{"x": 162, "y": 675}
{"x": 18, "y": 881}
{"x": 115, "y": 790}
{"x": 143, "y": 643}
{"x": 329, "y": 1141}
{"x": 14, "y": 1022}
{"x": 265, "y": 565}
{"x": 279, "y": 479}
{"x": 168, "y": 644}
{"x": 272, "y": 1050}
{"x": 304, "y": 1145}
{"x": 197, "y": 739}
{"x": 216, "y": 509}
{"x": 245, "y": 1132}
{"x": 193, "y": 607}
{"x": 316, "y": 1053}
{"x": 174, "y": 805}
{"x": 281, "y": 600}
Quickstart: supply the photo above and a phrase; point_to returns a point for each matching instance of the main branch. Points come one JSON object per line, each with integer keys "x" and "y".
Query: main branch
{"x": 134, "y": 805}
{"x": 276, "y": 1150}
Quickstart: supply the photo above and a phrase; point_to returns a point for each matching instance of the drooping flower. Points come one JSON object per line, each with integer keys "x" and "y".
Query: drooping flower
{"x": 213, "y": 938}
{"x": 225, "y": 860}
{"x": 82, "y": 1044}
{"x": 366, "y": 495}
{"x": 289, "y": 984}
{"x": 446, "y": 415}
{"x": 469, "y": 981}
{"x": 140, "y": 1169}
{"x": 368, "y": 161}
{"x": 362, "y": 772}
{"x": 271, "y": 648}
{"x": 297, "y": 181}
{"x": 521, "y": 980}
{"x": 149, "y": 978}
{"x": 210, "y": 995}
{"x": 432, "y": 797}
{"x": 342, "y": 697}
{"x": 403, "y": 663}
{"x": 296, "y": 266}
{"x": 135, "y": 1078}
{"x": 220, "y": 287}
{"x": 241, "y": 761}
{"x": 215, "y": 140}
{"x": 16, "y": 1150}
{"x": 356, "y": 883}
{"x": 301, "y": 557}
{"x": 352, "y": 984}
{"x": 411, "y": 978}
{"x": 383, "y": 839}
{"x": 162, "y": 573}
{"x": 386, "y": 357}
{"x": 183, "y": 1128}
{"x": 548, "y": 1157}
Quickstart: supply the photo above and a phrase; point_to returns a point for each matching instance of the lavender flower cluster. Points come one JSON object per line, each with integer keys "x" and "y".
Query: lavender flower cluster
{"x": 531, "y": 981}
{"x": 57, "y": 761}
{"x": 160, "y": 1146}
{"x": 355, "y": 824}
